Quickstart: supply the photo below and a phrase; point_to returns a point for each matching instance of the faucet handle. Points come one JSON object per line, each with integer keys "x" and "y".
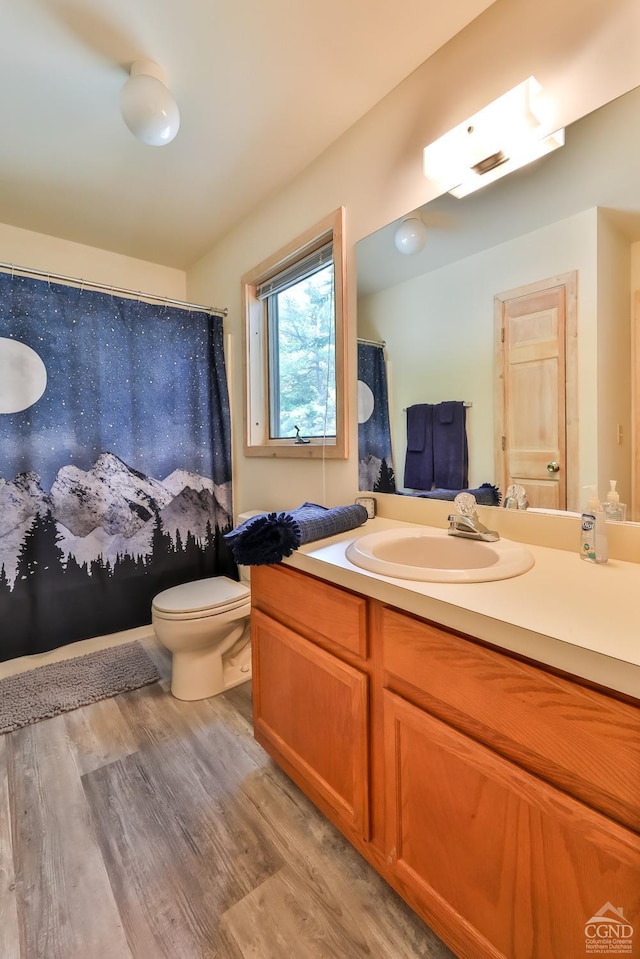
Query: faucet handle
{"x": 515, "y": 497}
{"x": 466, "y": 504}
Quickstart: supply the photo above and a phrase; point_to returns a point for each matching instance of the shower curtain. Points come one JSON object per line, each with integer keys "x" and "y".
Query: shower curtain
{"x": 375, "y": 463}
{"x": 115, "y": 460}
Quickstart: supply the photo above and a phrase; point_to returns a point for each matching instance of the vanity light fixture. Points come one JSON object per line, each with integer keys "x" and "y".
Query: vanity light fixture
{"x": 411, "y": 235}
{"x": 504, "y": 136}
{"x": 147, "y": 106}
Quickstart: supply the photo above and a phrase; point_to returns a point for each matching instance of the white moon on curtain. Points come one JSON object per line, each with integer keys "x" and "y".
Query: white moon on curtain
{"x": 23, "y": 376}
{"x": 366, "y": 402}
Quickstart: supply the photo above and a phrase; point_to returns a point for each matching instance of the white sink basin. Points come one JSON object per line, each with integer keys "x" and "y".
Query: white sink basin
{"x": 431, "y": 555}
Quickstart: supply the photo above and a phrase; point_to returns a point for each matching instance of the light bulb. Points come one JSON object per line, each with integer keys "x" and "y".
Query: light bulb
{"x": 411, "y": 236}
{"x": 147, "y": 106}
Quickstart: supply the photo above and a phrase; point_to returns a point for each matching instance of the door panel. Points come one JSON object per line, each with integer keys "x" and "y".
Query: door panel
{"x": 520, "y": 866}
{"x": 313, "y": 708}
{"x": 535, "y": 392}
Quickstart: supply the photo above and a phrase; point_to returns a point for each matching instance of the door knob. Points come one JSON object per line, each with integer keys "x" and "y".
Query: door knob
{"x": 553, "y": 467}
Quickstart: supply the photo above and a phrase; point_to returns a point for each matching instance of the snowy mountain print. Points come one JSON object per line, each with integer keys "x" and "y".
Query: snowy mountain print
{"x": 87, "y": 557}
{"x": 110, "y": 494}
{"x": 20, "y": 500}
{"x": 109, "y": 510}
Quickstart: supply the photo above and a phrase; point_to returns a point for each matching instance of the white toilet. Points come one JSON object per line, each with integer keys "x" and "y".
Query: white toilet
{"x": 205, "y": 625}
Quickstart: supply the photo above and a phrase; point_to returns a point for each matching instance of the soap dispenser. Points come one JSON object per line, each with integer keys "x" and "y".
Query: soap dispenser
{"x": 614, "y": 510}
{"x": 593, "y": 534}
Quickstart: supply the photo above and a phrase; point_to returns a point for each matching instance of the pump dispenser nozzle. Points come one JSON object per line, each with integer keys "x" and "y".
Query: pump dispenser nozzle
{"x": 613, "y": 496}
{"x": 593, "y": 503}
{"x": 615, "y": 511}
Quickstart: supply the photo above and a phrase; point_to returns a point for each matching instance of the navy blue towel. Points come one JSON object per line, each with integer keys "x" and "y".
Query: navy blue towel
{"x": 486, "y": 494}
{"x": 269, "y": 537}
{"x": 418, "y": 466}
{"x": 450, "y": 453}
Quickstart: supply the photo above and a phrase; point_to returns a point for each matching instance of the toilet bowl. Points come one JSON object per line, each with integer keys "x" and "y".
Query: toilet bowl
{"x": 205, "y": 626}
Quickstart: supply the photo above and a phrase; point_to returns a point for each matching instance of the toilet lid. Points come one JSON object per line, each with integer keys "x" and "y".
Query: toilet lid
{"x": 217, "y": 592}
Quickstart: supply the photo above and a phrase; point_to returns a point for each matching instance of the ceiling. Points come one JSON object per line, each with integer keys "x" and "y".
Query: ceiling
{"x": 263, "y": 88}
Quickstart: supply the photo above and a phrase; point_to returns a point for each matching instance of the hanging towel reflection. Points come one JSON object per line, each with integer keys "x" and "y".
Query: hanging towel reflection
{"x": 437, "y": 450}
{"x": 418, "y": 468}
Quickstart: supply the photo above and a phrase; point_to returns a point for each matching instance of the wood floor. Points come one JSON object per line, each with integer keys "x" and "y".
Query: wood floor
{"x": 141, "y": 827}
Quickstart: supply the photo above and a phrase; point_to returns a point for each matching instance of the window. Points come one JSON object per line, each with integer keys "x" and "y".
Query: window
{"x": 295, "y": 382}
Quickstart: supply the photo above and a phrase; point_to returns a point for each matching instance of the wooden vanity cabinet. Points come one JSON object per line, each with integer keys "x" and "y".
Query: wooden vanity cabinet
{"x": 500, "y": 863}
{"x": 311, "y": 708}
{"x": 503, "y": 798}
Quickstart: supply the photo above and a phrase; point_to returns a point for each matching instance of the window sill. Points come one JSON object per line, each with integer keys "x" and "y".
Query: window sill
{"x": 291, "y": 450}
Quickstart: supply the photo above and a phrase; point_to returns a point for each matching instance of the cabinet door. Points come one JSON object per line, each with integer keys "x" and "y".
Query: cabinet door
{"x": 502, "y": 864}
{"x": 311, "y": 710}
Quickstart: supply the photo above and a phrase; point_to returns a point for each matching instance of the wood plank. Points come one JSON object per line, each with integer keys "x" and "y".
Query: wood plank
{"x": 177, "y": 834}
{"x": 99, "y": 735}
{"x": 212, "y": 727}
{"x": 9, "y": 936}
{"x": 161, "y": 657}
{"x": 329, "y": 878}
{"x": 180, "y": 845}
{"x": 66, "y": 908}
{"x": 285, "y": 917}
{"x": 240, "y": 698}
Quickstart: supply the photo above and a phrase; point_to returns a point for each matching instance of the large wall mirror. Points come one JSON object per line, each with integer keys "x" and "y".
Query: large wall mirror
{"x": 569, "y": 220}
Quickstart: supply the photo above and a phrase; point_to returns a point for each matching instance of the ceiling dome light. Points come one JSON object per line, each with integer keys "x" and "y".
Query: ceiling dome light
{"x": 411, "y": 236}
{"x": 147, "y": 106}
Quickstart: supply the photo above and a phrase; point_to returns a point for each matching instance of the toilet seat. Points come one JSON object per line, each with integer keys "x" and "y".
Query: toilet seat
{"x": 202, "y": 598}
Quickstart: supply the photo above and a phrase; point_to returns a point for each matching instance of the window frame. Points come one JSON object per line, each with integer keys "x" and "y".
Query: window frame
{"x": 257, "y": 441}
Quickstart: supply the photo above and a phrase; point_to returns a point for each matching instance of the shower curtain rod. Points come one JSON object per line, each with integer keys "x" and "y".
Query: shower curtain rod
{"x": 371, "y": 342}
{"x": 120, "y": 290}
{"x": 465, "y": 404}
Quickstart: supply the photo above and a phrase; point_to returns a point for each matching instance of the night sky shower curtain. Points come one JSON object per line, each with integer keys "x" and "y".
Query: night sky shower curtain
{"x": 115, "y": 460}
{"x": 375, "y": 464}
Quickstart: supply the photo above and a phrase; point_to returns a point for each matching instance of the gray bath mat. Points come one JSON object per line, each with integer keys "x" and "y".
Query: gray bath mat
{"x": 60, "y": 687}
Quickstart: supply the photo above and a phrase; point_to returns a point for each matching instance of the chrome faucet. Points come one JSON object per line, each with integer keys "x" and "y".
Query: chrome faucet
{"x": 466, "y": 523}
{"x": 471, "y": 528}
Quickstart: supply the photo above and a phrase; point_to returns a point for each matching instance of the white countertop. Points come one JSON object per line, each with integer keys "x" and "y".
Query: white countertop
{"x": 576, "y": 616}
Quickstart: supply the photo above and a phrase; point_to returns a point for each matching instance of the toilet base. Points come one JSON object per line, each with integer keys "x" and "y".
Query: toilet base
{"x": 236, "y": 665}
{"x": 202, "y": 673}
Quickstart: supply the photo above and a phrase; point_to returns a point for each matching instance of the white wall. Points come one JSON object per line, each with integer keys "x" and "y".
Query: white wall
{"x": 439, "y": 330}
{"x": 584, "y": 52}
{"x": 614, "y": 359}
{"x": 52, "y": 255}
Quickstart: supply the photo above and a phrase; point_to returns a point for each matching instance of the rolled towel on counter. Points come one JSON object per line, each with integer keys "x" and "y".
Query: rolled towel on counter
{"x": 269, "y": 537}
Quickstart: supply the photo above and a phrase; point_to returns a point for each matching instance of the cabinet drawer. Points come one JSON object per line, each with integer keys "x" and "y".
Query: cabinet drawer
{"x": 579, "y": 739}
{"x": 318, "y": 609}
